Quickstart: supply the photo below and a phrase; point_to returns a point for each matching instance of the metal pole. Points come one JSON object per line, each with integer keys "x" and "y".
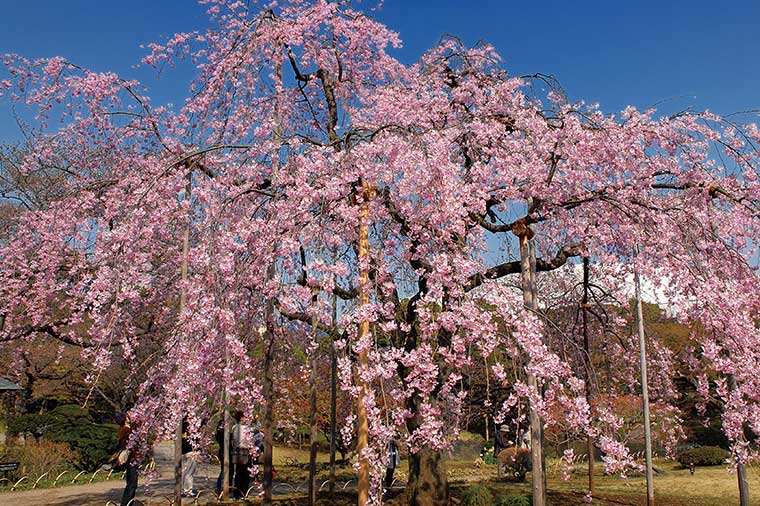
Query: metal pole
{"x": 644, "y": 392}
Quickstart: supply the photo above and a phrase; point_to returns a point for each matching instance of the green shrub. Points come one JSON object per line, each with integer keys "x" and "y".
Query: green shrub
{"x": 516, "y": 463}
{"x": 93, "y": 442}
{"x": 477, "y": 495}
{"x": 513, "y": 500}
{"x": 703, "y": 456}
{"x": 471, "y": 437}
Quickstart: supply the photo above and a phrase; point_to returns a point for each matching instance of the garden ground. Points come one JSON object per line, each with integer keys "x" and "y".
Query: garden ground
{"x": 710, "y": 486}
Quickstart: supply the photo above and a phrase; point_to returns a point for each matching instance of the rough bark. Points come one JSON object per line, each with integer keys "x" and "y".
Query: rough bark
{"x": 428, "y": 483}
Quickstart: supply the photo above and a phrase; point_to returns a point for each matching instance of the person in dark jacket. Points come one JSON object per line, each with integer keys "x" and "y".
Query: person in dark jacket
{"x": 130, "y": 476}
{"x": 394, "y": 460}
{"x": 501, "y": 442}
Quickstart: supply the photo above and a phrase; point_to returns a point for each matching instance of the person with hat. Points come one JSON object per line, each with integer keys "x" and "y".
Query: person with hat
{"x": 501, "y": 442}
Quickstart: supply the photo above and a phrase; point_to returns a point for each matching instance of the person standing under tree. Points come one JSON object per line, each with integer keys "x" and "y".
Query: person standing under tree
{"x": 394, "y": 459}
{"x": 500, "y": 442}
{"x": 258, "y": 451}
{"x": 127, "y": 458}
{"x": 189, "y": 463}
{"x": 241, "y": 455}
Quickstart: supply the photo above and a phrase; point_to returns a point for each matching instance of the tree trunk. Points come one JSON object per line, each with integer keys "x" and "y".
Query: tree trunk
{"x": 428, "y": 483}
{"x": 528, "y": 271}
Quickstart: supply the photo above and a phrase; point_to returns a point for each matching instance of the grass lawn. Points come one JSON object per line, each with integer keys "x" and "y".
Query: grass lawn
{"x": 710, "y": 486}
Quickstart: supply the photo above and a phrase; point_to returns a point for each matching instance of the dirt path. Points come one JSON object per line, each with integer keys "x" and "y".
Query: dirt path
{"x": 157, "y": 493}
{"x": 96, "y": 494}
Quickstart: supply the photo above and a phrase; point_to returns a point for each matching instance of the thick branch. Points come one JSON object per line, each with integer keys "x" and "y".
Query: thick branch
{"x": 48, "y": 329}
{"x": 507, "y": 268}
{"x": 416, "y": 261}
{"x": 332, "y": 104}
{"x": 306, "y": 318}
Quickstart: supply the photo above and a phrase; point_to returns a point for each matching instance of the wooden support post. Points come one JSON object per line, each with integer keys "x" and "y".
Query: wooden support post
{"x": 363, "y": 424}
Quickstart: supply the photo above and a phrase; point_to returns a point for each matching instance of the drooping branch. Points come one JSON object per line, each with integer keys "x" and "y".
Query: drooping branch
{"x": 416, "y": 261}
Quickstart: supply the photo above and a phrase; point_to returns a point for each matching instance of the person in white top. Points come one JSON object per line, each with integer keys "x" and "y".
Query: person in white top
{"x": 241, "y": 455}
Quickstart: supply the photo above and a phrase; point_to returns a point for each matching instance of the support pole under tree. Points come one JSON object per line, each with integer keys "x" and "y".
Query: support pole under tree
{"x": 538, "y": 428}
{"x": 741, "y": 468}
{"x": 644, "y": 391}
{"x": 525, "y": 232}
{"x": 741, "y": 475}
{"x": 333, "y": 396}
{"x": 225, "y": 461}
{"x": 268, "y": 393}
{"x": 269, "y": 322}
{"x": 312, "y": 358}
{"x": 182, "y": 303}
{"x": 362, "y": 441}
{"x": 587, "y": 369}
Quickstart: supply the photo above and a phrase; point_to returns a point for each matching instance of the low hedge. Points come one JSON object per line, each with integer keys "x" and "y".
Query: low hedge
{"x": 703, "y": 456}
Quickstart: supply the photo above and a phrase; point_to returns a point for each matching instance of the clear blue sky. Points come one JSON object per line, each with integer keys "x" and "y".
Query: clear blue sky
{"x": 701, "y": 54}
